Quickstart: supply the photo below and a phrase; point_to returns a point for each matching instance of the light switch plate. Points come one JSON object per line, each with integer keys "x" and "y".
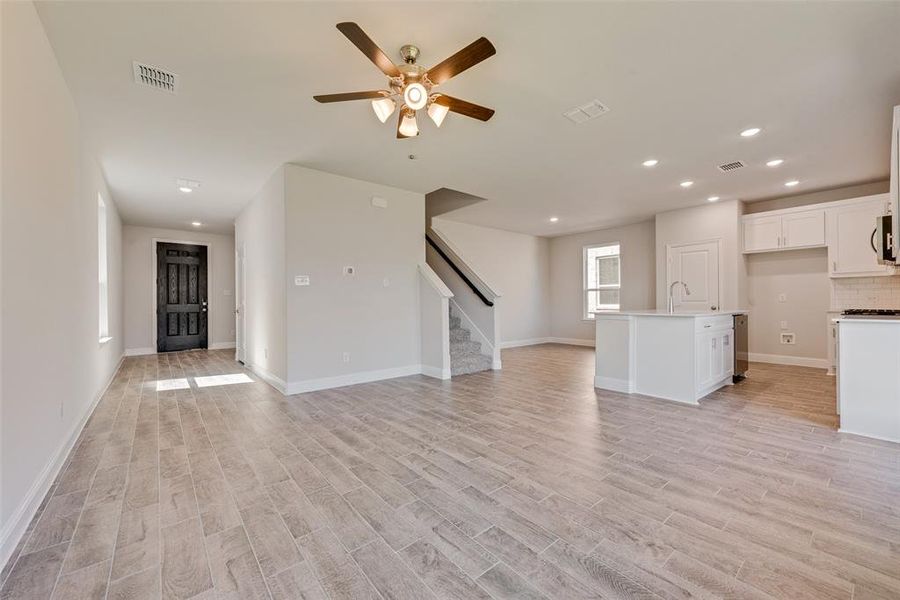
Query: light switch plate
{"x": 301, "y": 280}
{"x": 379, "y": 202}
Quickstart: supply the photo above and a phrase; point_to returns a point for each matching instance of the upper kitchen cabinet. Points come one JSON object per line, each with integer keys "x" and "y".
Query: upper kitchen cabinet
{"x": 851, "y": 231}
{"x": 784, "y": 230}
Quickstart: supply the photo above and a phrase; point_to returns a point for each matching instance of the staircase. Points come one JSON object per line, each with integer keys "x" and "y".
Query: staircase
{"x": 465, "y": 354}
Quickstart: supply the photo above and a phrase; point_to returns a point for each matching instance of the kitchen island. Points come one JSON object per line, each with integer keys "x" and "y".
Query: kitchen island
{"x": 675, "y": 356}
{"x": 868, "y": 376}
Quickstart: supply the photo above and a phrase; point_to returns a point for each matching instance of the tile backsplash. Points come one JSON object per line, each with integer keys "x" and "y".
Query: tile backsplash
{"x": 866, "y": 292}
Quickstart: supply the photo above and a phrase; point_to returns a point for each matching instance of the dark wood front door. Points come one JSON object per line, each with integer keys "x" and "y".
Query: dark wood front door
{"x": 181, "y": 300}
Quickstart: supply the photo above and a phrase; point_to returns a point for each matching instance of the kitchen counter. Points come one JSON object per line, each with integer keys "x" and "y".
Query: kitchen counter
{"x": 674, "y": 356}
{"x": 665, "y": 313}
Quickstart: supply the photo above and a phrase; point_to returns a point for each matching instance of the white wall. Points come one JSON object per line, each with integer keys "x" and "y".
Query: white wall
{"x": 260, "y": 234}
{"x": 566, "y": 279}
{"x": 331, "y": 223}
{"x": 720, "y": 220}
{"x": 802, "y": 276}
{"x": 54, "y": 367}
{"x": 140, "y": 287}
{"x": 518, "y": 265}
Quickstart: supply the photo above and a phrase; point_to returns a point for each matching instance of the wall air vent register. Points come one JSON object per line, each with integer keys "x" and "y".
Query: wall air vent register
{"x": 155, "y": 77}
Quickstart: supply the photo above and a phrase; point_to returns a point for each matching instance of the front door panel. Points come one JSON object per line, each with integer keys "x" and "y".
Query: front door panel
{"x": 181, "y": 302}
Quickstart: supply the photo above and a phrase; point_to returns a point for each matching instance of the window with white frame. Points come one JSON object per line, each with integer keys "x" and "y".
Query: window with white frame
{"x": 602, "y": 278}
{"x": 103, "y": 270}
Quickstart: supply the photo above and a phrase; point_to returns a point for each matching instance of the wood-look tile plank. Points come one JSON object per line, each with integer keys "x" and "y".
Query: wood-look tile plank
{"x": 390, "y": 576}
{"x": 235, "y": 571}
{"x": 185, "y": 568}
{"x": 340, "y": 576}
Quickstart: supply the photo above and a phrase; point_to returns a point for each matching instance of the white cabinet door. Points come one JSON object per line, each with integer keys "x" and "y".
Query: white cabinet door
{"x": 762, "y": 233}
{"x": 850, "y": 252}
{"x": 705, "y": 375}
{"x": 728, "y": 353}
{"x": 803, "y": 229}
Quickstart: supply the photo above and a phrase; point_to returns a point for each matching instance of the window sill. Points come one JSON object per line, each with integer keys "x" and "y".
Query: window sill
{"x": 105, "y": 340}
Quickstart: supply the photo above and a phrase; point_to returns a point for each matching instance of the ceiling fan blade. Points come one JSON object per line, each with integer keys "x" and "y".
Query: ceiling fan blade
{"x": 362, "y": 41}
{"x": 465, "y": 108}
{"x": 373, "y": 95}
{"x": 468, "y": 57}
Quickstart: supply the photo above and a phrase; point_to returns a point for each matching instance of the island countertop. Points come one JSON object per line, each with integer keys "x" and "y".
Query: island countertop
{"x": 664, "y": 313}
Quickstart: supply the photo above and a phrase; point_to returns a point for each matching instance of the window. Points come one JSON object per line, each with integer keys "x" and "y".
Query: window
{"x": 103, "y": 270}
{"x": 602, "y": 278}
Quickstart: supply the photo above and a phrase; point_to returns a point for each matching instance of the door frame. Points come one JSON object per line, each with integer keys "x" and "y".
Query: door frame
{"x": 154, "y": 242}
{"x": 240, "y": 302}
{"x": 670, "y": 247}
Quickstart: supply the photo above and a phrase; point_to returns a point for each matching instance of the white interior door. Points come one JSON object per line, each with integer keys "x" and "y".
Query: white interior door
{"x": 697, "y": 265}
{"x": 240, "y": 337}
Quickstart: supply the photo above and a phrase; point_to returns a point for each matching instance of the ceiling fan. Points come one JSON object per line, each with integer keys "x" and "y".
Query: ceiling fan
{"x": 412, "y": 85}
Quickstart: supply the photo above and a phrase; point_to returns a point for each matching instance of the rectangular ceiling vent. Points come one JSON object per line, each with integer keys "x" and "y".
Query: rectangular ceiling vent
{"x": 586, "y": 112}
{"x": 732, "y": 166}
{"x": 155, "y": 78}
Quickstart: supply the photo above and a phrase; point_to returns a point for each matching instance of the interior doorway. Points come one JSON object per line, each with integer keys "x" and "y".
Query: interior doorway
{"x": 697, "y": 265}
{"x": 182, "y": 307}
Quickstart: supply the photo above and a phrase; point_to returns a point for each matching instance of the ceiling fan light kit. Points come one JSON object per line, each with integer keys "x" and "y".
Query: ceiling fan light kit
{"x": 412, "y": 85}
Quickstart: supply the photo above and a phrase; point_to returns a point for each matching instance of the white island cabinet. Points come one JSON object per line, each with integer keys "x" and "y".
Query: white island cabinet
{"x": 675, "y": 356}
{"x": 868, "y": 369}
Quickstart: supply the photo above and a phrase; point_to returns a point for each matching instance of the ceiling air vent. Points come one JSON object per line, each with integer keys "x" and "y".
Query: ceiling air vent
{"x": 732, "y": 166}
{"x": 155, "y": 77}
{"x": 586, "y": 112}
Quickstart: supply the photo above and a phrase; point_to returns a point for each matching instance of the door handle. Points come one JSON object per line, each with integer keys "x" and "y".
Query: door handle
{"x": 713, "y": 308}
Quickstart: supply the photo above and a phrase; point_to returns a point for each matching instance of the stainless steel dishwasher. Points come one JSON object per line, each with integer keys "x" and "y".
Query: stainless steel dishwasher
{"x": 741, "y": 361}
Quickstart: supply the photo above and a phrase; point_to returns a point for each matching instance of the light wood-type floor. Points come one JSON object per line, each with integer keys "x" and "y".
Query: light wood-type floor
{"x": 525, "y": 483}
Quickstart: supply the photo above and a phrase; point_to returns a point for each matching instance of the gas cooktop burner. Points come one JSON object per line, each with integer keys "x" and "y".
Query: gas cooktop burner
{"x": 886, "y": 312}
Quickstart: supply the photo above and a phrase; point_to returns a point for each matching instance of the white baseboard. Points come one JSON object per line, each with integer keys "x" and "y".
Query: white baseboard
{"x": 614, "y": 384}
{"x": 139, "y": 351}
{"x": 525, "y": 342}
{"x": 15, "y": 527}
{"x": 570, "y": 341}
{"x": 869, "y": 435}
{"x": 795, "y": 361}
{"x": 324, "y": 383}
{"x": 435, "y": 372}
{"x": 275, "y": 382}
{"x": 222, "y": 346}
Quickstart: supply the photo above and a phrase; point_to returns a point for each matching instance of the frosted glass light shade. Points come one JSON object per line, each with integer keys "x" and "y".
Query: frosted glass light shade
{"x": 408, "y": 126}
{"x": 383, "y": 108}
{"x": 437, "y": 112}
{"x": 415, "y": 96}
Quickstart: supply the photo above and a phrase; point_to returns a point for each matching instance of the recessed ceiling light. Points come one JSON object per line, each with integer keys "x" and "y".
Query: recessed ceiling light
{"x": 750, "y": 132}
{"x": 686, "y": 184}
{"x": 713, "y": 199}
{"x": 184, "y": 189}
{"x": 196, "y": 223}
{"x": 774, "y": 162}
{"x": 792, "y": 183}
{"x": 554, "y": 219}
{"x": 652, "y": 162}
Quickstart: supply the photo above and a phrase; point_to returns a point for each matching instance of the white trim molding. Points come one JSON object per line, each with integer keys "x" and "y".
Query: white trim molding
{"x": 275, "y": 382}
{"x": 611, "y": 383}
{"x": 570, "y": 341}
{"x": 15, "y": 527}
{"x": 221, "y": 346}
{"x": 794, "y": 361}
{"x": 139, "y": 351}
{"x": 324, "y": 383}
{"x": 435, "y": 372}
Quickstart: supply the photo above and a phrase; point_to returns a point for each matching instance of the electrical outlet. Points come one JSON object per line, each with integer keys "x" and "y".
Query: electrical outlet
{"x": 346, "y": 357}
{"x": 782, "y": 297}
{"x": 787, "y": 338}
{"x": 301, "y": 280}
{"x": 386, "y": 282}
{"x": 784, "y": 325}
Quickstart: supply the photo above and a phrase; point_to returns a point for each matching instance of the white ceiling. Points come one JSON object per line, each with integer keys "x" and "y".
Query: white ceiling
{"x": 682, "y": 80}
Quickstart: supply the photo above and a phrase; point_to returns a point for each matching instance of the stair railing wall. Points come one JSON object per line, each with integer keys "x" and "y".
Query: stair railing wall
{"x": 434, "y": 317}
{"x": 480, "y": 306}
